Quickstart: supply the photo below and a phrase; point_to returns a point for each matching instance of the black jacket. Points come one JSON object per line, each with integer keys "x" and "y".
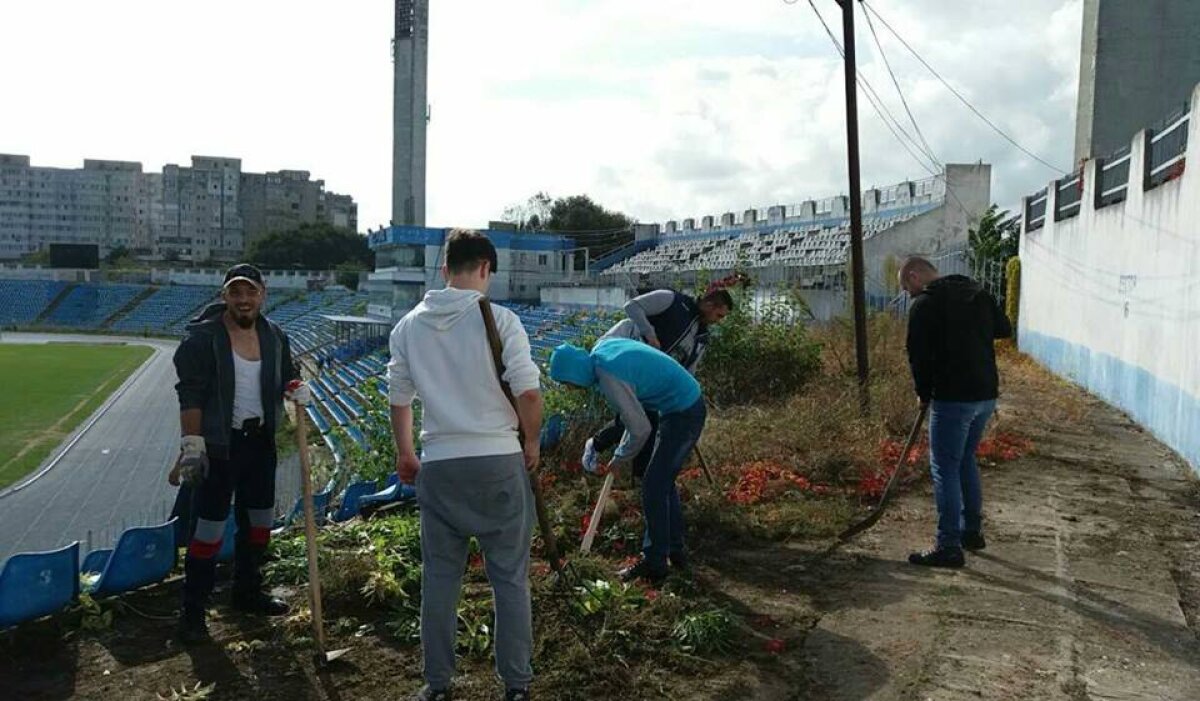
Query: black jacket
{"x": 204, "y": 364}
{"x": 952, "y": 325}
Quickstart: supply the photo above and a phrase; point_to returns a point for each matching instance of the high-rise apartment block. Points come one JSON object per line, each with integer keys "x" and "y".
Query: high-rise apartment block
{"x": 210, "y": 210}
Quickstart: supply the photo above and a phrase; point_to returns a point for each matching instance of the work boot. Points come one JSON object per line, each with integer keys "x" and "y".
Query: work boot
{"x": 590, "y": 456}
{"x": 428, "y": 693}
{"x": 642, "y": 569}
{"x": 192, "y": 628}
{"x": 516, "y": 695}
{"x": 938, "y": 557}
{"x": 258, "y": 602}
{"x": 973, "y": 541}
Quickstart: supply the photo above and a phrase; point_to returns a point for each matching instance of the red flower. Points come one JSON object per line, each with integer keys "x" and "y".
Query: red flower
{"x": 775, "y": 646}
{"x": 651, "y": 594}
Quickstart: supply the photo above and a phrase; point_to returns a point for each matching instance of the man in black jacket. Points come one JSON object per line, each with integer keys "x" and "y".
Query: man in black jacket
{"x": 235, "y": 368}
{"x": 674, "y": 323}
{"x": 952, "y": 326}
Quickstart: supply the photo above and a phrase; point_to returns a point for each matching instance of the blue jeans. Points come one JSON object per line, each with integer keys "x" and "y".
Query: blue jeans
{"x": 677, "y": 435}
{"x": 955, "y": 429}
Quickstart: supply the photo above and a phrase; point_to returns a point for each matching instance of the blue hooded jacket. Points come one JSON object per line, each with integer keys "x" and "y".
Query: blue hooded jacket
{"x": 659, "y": 381}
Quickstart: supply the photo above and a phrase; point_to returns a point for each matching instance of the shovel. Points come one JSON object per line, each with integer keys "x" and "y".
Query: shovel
{"x": 321, "y": 656}
{"x": 888, "y": 489}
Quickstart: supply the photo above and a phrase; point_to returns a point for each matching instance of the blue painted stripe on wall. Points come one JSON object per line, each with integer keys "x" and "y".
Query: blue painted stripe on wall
{"x": 1165, "y": 409}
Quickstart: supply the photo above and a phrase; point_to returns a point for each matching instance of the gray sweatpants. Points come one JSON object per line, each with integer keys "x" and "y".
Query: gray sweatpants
{"x": 487, "y": 497}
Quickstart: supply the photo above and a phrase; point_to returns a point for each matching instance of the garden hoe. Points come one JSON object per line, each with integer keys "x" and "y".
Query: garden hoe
{"x": 322, "y": 656}
{"x": 891, "y": 483}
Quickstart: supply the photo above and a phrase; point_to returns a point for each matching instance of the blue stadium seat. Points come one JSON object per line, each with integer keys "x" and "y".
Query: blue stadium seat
{"x": 357, "y": 436}
{"x": 392, "y": 491}
{"x": 142, "y": 556}
{"x": 38, "y": 584}
{"x": 227, "y": 539}
{"x": 317, "y": 420}
{"x": 552, "y": 432}
{"x": 320, "y": 508}
{"x": 349, "y": 507}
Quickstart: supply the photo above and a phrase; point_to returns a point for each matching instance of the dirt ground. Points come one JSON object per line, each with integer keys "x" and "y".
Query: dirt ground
{"x": 1089, "y": 589}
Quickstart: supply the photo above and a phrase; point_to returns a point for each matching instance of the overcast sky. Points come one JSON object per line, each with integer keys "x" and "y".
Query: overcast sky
{"x": 662, "y": 109}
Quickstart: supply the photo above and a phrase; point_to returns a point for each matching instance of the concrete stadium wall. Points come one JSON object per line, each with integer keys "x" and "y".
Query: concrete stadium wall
{"x": 932, "y": 234}
{"x": 584, "y": 297}
{"x": 1110, "y": 298}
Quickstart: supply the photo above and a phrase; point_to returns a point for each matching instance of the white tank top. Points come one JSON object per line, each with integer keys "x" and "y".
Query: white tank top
{"x": 247, "y": 389}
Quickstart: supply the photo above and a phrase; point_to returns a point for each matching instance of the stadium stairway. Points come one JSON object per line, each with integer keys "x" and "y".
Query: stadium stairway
{"x": 128, "y": 306}
{"x": 55, "y": 303}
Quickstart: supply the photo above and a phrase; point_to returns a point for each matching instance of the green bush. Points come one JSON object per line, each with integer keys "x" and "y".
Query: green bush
{"x": 760, "y": 360}
{"x": 1012, "y": 290}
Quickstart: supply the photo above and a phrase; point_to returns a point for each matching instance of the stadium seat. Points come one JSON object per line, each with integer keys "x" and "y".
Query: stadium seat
{"x": 349, "y": 507}
{"x": 142, "y": 556}
{"x": 392, "y": 491}
{"x": 38, "y": 584}
{"x": 320, "y": 507}
{"x": 552, "y": 432}
{"x": 228, "y": 538}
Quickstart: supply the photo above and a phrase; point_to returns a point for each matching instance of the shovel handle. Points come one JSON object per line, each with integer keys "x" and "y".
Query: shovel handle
{"x": 310, "y": 530}
{"x": 597, "y": 512}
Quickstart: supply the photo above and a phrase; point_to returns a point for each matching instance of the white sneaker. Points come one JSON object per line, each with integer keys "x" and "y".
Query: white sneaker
{"x": 590, "y": 458}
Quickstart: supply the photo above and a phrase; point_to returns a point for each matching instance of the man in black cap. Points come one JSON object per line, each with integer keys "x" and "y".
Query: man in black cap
{"x": 235, "y": 368}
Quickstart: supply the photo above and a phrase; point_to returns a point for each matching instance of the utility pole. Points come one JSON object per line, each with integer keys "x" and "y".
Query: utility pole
{"x": 856, "y": 235}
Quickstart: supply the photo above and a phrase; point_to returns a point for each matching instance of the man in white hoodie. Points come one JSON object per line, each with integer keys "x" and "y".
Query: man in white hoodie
{"x": 471, "y": 478}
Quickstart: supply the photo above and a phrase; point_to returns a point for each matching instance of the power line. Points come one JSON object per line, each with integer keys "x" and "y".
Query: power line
{"x": 877, "y": 103}
{"x": 896, "y": 83}
{"x": 998, "y": 130}
{"x": 890, "y": 121}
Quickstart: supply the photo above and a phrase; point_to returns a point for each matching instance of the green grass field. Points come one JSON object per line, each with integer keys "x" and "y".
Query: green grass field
{"x": 48, "y": 390}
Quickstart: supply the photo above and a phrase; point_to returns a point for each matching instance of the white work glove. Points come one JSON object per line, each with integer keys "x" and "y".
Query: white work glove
{"x": 298, "y": 392}
{"x": 193, "y": 460}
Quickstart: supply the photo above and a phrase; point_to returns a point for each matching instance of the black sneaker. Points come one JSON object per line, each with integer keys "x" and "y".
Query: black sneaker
{"x": 192, "y": 628}
{"x": 259, "y": 603}
{"x": 939, "y": 557}
{"x": 642, "y": 569}
{"x": 680, "y": 561}
{"x": 428, "y": 693}
{"x": 516, "y": 695}
{"x": 973, "y": 541}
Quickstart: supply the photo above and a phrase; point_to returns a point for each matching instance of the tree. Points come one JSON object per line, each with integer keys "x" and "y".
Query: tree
{"x": 530, "y": 215}
{"x": 116, "y": 254}
{"x": 319, "y": 246}
{"x": 995, "y": 239}
{"x": 348, "y": 274}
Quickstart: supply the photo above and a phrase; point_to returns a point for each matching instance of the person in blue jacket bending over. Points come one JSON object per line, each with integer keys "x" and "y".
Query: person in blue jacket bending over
{"x": 633, "y": 375}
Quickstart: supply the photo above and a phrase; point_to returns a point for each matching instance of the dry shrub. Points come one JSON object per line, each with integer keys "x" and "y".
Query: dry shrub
{"x": 1021, "y": 374}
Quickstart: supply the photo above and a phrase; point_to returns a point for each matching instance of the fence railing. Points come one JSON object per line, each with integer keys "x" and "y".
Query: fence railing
{"x": 1035, "y": 211}
{"x": 1166, "y": 149}
{"x": 1112, "y": 178}
{"x": 1068, "y": 192}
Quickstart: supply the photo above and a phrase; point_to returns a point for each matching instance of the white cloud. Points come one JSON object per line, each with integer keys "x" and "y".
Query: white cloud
{"x": 663, "y": 109}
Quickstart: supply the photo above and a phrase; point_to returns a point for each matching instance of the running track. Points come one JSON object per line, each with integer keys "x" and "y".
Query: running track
{"x": 110, "y": 475}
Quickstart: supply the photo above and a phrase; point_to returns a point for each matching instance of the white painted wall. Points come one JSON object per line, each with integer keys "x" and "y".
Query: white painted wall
{"x": 584, "y": 297}
{"x": 1111, "y": 298}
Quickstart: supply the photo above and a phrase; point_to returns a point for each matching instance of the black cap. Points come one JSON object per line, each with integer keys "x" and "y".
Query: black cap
{"x": 244, "y": 271}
